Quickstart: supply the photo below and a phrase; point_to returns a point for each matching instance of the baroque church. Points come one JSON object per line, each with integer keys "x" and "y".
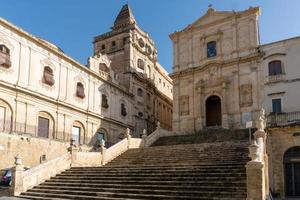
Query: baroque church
{"x": 137, "y": 132}
{"x": 223, "y": 76}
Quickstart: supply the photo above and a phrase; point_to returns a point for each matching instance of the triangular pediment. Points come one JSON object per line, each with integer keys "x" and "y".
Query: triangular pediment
{"x": 210, "y": 17}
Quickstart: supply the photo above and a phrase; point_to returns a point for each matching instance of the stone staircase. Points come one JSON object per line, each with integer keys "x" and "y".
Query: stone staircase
{"x": 185, "y": 171}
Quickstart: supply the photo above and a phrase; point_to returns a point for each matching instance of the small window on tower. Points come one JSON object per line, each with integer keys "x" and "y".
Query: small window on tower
{"x": 103, "y": 46}
{"x": 113, "y": 43}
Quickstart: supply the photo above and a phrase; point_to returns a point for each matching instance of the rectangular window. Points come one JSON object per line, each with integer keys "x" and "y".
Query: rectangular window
{"x": 76, "y": 134}
{"x": 276, "y": 105}
{"x": 43, "y": 127}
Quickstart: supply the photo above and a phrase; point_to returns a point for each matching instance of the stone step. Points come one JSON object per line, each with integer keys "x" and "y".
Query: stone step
{"x": 137, "y": 194}
{"x": 150, "y": 182}
{"x": 173, "y": 175}
{"x": 150, "y": 191}
{"x": 156, "y": 172}
{"x": 158, "y": 185}
{"x": 174, "y": 166}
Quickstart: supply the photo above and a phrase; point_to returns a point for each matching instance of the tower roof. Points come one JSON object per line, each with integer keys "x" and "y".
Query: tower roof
{"x": 124, "y": 18}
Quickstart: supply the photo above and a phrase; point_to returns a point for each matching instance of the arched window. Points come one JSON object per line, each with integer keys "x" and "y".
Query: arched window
{"x": 275, "y": 68}
{"x": 140, "y": 92}
{"x": 78, "y": 132}
{"x": 80, "y": 90}
{"x": 211, "y": 49}
{"x": 4, "y": 56}
{"x": 123, "y": 110}
{"x": 45, "y": 125}
{"x": 103, "y": 67}
{"x": 291, "y": 163}
{"x": 140, "y": 64}
{"x": 104, "y": 102}
{"x": 48, "y": 76}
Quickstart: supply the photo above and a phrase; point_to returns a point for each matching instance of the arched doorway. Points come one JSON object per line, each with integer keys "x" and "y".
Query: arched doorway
{"x": 213, "y": 111}
{"x": 291, "y": 163}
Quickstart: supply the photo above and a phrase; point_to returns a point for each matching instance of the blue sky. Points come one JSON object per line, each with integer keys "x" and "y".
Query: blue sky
{"x": 72, "y": 24}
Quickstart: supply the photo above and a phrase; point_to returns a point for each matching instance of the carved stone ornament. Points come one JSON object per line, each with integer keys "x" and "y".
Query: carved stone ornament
{"x": 184, "y": 105}
{"x": 246, "y": 95}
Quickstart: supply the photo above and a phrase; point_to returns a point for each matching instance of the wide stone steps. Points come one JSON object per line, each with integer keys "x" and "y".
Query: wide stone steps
{"x": 199, "y": 171}
{"x": 131, "y": 194}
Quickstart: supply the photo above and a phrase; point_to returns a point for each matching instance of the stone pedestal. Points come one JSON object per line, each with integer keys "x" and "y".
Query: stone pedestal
{"x": 255, "y": 180}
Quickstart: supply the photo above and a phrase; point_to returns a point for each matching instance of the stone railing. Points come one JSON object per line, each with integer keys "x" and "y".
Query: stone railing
{"x": 26, "y": 179}
{"x": 158, "y": 133}
{"x": 275, "y": 78}
{"x": 257, "y": 167}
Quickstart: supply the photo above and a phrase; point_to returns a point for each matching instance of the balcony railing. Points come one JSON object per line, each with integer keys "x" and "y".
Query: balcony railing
{"x": 283, "y": 119}
{"x": 275, "y": 78}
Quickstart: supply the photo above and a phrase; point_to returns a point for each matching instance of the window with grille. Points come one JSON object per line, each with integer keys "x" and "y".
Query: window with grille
{"x": 43, "y": 127}
{"x": 48, "y": 76}
{"x": 4, "y": 56}
{"x": 275, "y": 68}
{"x": 80, "y": 90}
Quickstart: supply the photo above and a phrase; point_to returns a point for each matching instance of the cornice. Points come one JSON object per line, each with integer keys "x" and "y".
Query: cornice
{"x": 57, "y": 52}
{"x": 231, "y": 15}
{"x": 217, "y": 63}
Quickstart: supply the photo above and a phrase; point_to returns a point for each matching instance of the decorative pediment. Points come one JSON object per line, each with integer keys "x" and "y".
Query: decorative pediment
{"x": 211, "y": 16}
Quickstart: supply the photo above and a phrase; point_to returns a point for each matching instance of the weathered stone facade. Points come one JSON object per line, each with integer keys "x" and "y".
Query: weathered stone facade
{"x": 134, "y": 61}
{"x": 229, "y": 72}
{"x": 223, "y": 76}
{"x": 47, "y": 98}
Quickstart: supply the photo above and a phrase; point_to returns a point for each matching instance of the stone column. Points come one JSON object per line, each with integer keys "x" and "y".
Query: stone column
{"x": 199, "y": 121}
{"x": 17, "y": 177}
{"x": 224, "y": 106}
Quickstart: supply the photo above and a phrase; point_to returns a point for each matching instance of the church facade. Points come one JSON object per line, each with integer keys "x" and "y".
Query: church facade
{"x": 47, "y": 98}
{"x": 223, "y": 76}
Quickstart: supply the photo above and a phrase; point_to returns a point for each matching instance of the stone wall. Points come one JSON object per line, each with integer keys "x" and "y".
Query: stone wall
{"x": 30, "y": 148}
{"x": 279, "y": 141}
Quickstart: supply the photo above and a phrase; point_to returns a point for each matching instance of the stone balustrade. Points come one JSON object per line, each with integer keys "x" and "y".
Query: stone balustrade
{"x": 26, "y": 179}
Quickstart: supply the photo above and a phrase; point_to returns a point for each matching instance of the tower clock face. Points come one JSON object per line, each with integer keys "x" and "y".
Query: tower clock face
{"x": 211, "y": 49}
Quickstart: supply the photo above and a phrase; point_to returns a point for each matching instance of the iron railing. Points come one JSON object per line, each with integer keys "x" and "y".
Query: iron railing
{"x": 283, "y": 119}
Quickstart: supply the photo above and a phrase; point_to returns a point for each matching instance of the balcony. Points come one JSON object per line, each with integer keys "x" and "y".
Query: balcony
{"x": 5, "y": 60}
{"x": 275, "y": 78}
{"x": 283, "y": 119}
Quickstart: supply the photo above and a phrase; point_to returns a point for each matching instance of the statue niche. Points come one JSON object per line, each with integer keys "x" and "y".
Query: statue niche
{"x": 184, "y": 105}
{"x": 246, "y": 95}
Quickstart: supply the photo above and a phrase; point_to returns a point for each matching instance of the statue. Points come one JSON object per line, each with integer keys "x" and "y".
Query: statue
{"x": 261, "y": 123}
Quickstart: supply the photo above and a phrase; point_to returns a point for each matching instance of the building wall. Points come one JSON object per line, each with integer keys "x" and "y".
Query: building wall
{"x": 284, "y": 86}
{"x": 24, "y": 95}
{"x": 233, "y": 74}
{"x": 126, "y": 48}
{"x": 280, "y": 139}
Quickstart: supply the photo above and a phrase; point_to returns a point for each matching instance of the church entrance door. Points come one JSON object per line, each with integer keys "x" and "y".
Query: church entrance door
{"x": 213, "y": 111}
